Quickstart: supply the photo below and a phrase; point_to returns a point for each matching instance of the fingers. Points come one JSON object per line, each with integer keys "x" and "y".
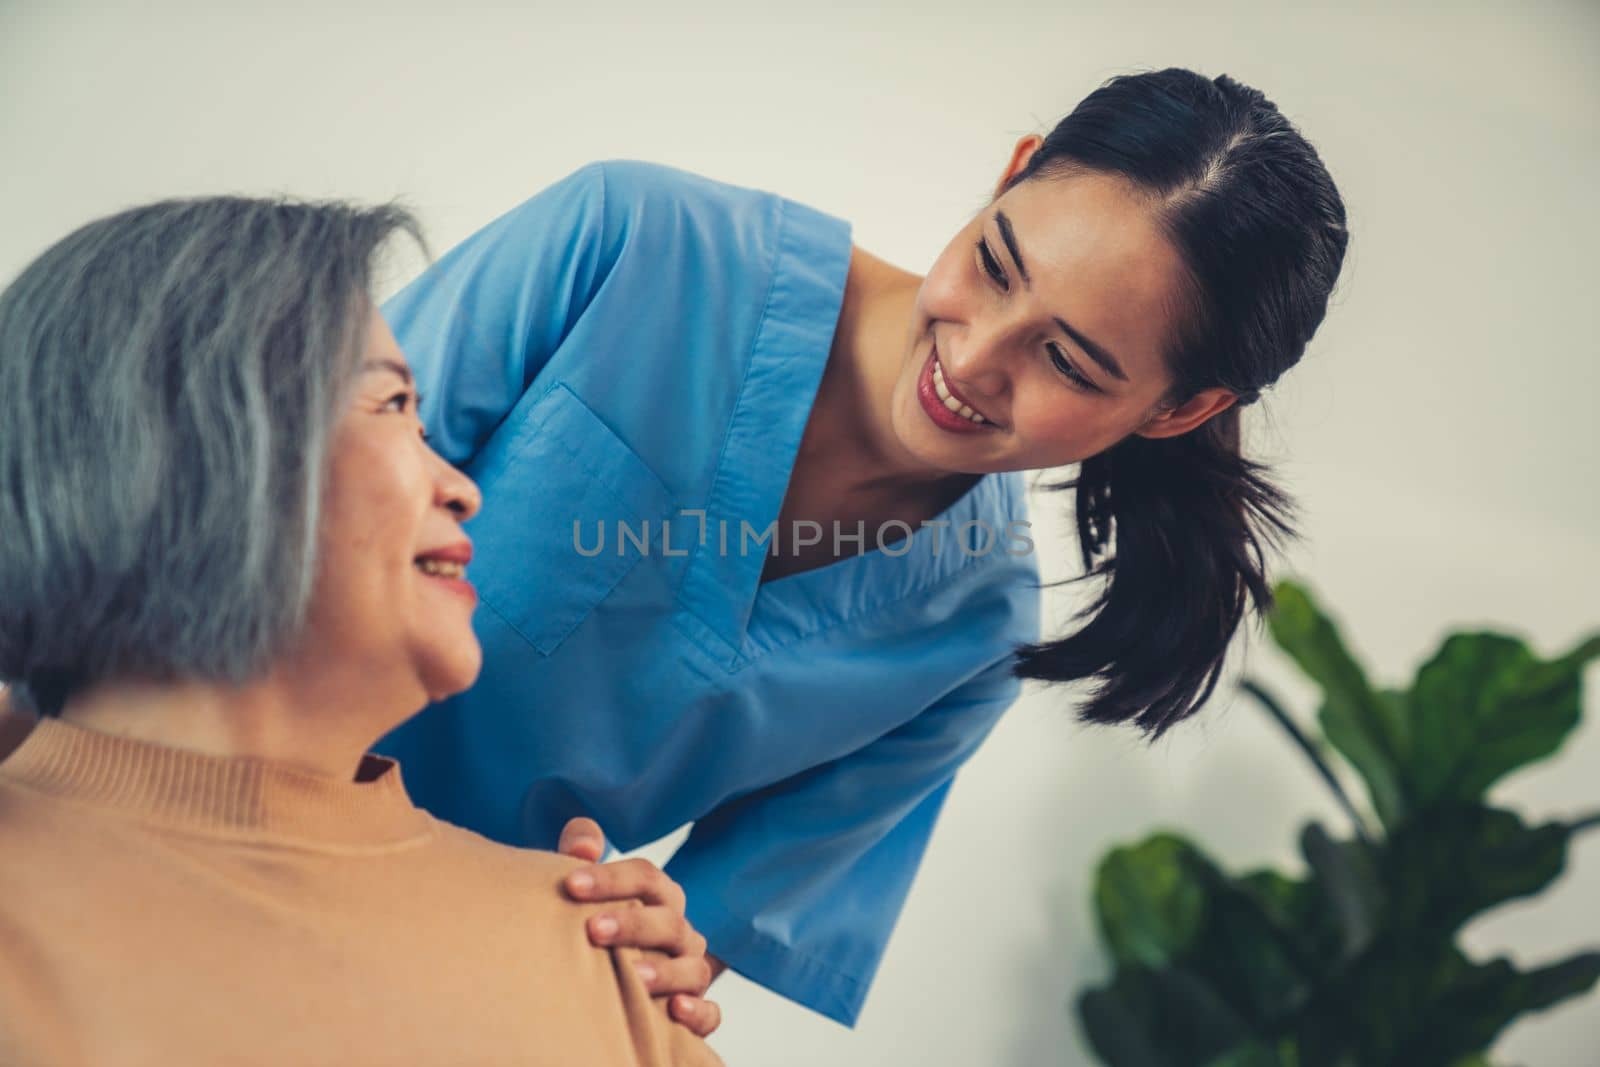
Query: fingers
{"x": 661, "y": 929}
{"x": 634, "y": 879}
{"x": 664, "y": 977}
{"x": 582, "y": 839}
{"x": 700, "y": 1016}
{"x": 674, "y": 962}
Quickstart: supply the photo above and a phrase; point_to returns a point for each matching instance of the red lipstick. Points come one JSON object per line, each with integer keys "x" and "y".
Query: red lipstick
{"x": 940, "y": 415}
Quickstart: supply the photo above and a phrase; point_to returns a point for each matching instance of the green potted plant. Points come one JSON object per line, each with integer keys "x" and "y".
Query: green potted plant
{"x": 1355, "y": 963}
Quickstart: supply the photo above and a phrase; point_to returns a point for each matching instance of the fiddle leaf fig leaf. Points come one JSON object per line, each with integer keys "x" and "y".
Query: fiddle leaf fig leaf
{"x": 1297, "y": 910}
{"x": 1370, "y": 731}
{"x": 1349, "y": 882}
{"x": 1258, "y": 1054}
{"x": 1452, "y": 864}
{"x": 1355, "y": 963}
{"x": 1551, "y": 984}
{"x": 1260, "y": 967}
{"x": 1117, "y": 1028}
{"x": 1481, "y": 999}
{"x": 1484, "y": 706}
{"x": 1149, "y": 902}
{"x": 1283, "y": 899}
{"x": 1165, "y": 1015}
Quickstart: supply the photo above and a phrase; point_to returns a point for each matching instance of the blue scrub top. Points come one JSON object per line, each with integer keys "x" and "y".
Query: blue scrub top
{"x": 625, "y": 364}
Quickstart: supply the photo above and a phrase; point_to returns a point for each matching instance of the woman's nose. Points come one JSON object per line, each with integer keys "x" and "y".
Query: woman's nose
{"x": 976, "y": 359}
{"x": 455, "y": 491}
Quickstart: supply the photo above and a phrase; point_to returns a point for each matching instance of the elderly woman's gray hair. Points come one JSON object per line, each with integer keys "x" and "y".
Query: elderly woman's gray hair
{"x": 169, "y": 380}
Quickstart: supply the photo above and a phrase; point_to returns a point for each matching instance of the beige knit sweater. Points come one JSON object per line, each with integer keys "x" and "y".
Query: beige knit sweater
{"x": 162, "y": 907}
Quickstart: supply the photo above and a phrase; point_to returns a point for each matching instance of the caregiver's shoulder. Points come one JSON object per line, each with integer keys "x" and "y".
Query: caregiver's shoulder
{"x": 633, "y": 185}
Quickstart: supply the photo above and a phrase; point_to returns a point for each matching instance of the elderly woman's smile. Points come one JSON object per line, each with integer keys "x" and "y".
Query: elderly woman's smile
{"x": 450, "y": 564}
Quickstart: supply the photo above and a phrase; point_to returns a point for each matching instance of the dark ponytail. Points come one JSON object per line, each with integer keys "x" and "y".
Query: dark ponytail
{"x": 1178, "y": 526}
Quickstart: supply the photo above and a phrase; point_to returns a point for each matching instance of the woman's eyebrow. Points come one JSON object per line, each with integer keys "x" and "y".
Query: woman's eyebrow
{"x": 389, "y": 365}
{"x": 1106, "y": 360}
{"x": 1009, "y": 236}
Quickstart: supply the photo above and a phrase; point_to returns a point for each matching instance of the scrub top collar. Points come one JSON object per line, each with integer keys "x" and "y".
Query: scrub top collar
{"x": 804, "y": 298}
{"x": 975, "y": 531}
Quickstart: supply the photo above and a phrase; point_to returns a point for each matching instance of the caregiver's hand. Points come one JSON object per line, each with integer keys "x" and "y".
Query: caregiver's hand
{"x": 675, "y": 963}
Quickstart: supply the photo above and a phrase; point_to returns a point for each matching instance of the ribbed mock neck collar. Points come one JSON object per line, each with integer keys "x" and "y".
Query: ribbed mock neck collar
{"x": 242, "y": 797}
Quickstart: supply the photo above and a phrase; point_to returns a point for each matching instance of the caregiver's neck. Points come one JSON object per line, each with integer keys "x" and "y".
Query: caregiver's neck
{"x": 850, "y": 431}
{"x": 321, "y": 719}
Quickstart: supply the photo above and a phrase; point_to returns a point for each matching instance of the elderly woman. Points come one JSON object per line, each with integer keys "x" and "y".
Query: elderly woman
{"x": 231, "y": 563}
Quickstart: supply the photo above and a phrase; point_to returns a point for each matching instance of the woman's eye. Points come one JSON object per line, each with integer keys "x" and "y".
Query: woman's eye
{"x": 991, "y": 266}
{"x": 400, "y": 402}
{"x": 1065, "y": 366}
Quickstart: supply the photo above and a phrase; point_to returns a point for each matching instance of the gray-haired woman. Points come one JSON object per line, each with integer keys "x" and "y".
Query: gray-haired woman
{"x": 231, "y": 563}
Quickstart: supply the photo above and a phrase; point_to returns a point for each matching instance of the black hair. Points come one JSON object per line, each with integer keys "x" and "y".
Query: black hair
{"x": 1177, "y": 525}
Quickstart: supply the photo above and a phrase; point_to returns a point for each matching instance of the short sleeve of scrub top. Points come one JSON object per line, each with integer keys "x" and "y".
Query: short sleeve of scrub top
{"x": 625, "y": 364}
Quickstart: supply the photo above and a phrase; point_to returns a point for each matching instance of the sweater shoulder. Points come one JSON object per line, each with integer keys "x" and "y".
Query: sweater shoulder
{"x": 527, "y": 862}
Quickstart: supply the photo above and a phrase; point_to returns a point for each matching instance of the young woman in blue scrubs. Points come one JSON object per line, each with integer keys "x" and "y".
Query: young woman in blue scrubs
{"x": 646, "y": 370}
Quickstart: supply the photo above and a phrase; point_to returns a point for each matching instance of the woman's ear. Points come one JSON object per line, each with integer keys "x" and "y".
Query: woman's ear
{"x": 1170, "y": 422}
{"x": 1019, "y": 158}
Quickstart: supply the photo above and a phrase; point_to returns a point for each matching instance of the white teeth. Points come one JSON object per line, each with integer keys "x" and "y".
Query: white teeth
{"x": 948, "y": 399}
{"x": 441, "y": 568}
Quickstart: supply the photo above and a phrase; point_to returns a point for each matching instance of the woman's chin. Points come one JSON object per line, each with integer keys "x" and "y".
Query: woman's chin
{"x": 932, "y": 447}
{"x": 448, "y": 672}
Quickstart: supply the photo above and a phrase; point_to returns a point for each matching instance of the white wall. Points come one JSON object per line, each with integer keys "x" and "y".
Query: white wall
{"x": 1439, "y": 435}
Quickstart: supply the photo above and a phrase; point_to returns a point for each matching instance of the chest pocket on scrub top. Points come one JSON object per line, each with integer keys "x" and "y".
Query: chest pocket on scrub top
{"x": 549, "y": 466}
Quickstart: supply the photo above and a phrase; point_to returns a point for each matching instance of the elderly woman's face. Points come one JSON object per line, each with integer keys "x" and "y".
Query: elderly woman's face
{"x": 391, "y": 592}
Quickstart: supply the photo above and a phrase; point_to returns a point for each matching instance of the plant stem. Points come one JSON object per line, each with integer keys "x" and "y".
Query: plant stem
{"x": 1293, "y": 729}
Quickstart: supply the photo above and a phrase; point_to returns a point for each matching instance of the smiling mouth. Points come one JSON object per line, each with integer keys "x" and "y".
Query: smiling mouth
{"x": 447, "y": 566}
{"x": 440, "y": 568}
{"x": 952, "y": 400}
